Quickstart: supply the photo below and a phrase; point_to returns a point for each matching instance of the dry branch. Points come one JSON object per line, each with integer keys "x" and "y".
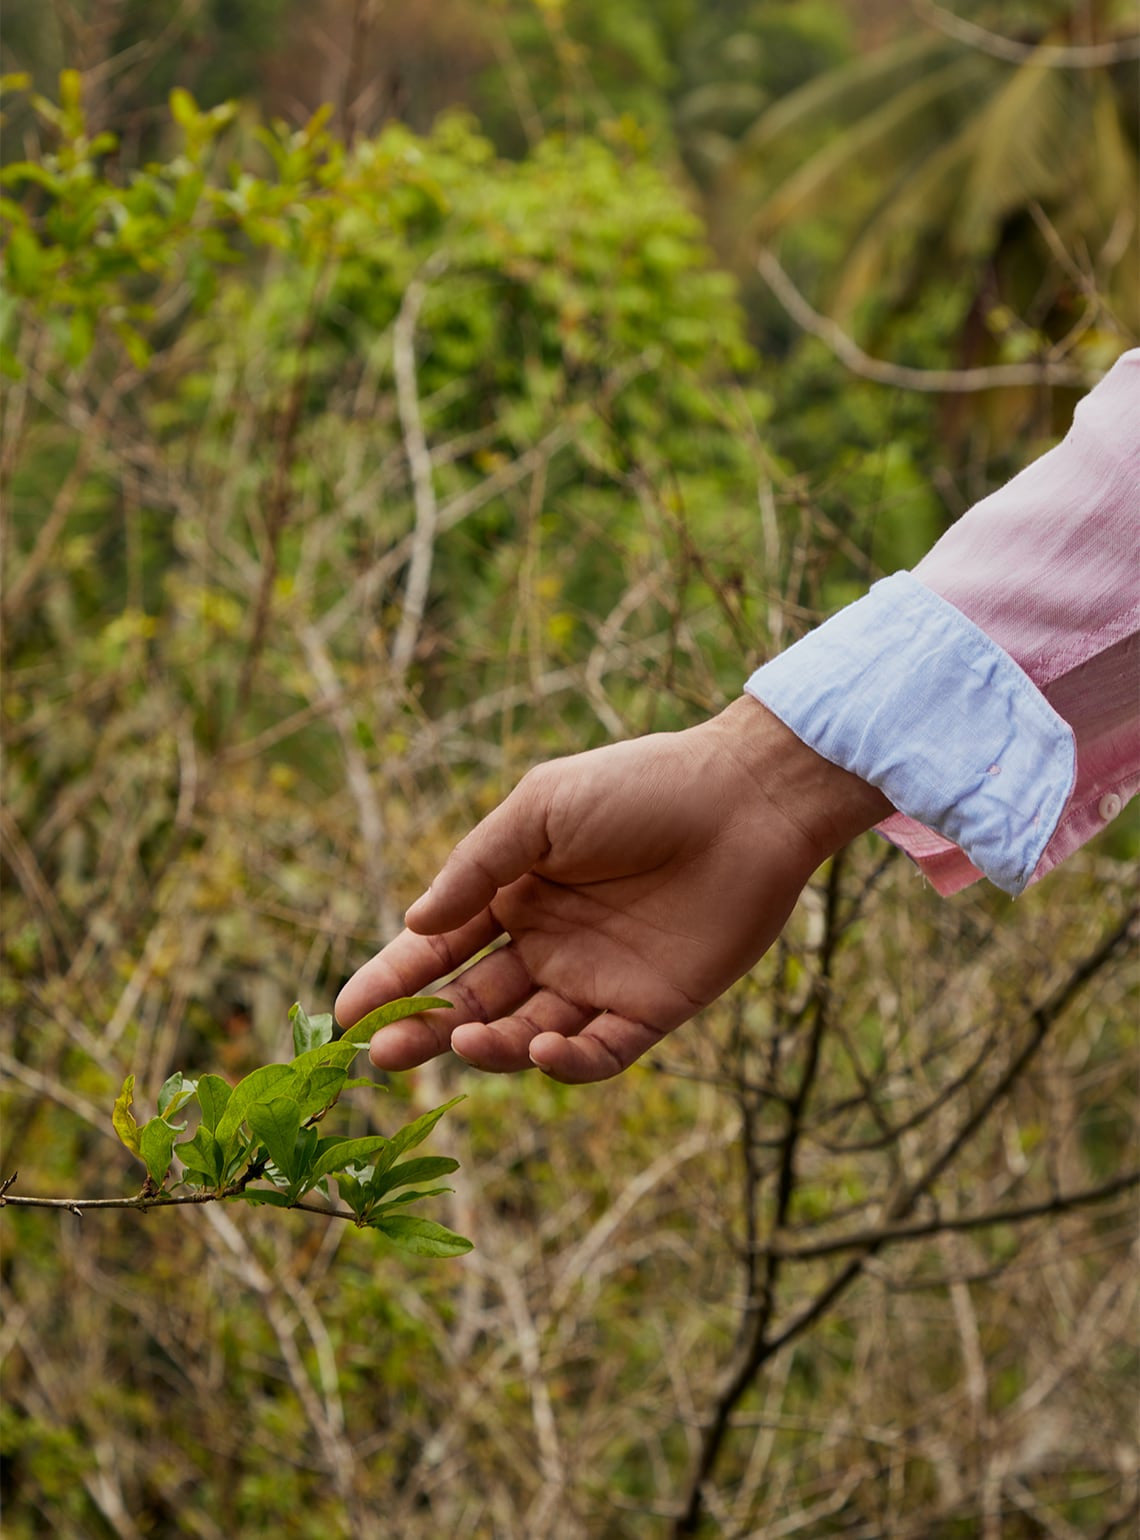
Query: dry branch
{"x": 934, "y": 381}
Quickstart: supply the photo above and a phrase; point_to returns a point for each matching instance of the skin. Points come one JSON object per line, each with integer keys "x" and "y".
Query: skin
{"x": 636, "y": 883}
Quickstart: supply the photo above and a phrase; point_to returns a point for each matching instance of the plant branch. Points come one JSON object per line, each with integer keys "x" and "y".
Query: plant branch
{"x": 881, "y": 1235}
{"x": 280, "y": 497}
{"x": 760, "y": 1347}
{"x": 1041, "y": 55}
{"x": 934, "y": 381}
{"x": 148, "y": 1200}
{"x": 419, "y": 462}
{"x": 753, "y": 1341}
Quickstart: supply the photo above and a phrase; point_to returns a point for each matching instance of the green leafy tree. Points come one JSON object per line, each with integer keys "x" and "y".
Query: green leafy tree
{"x": 1006, "y": 177}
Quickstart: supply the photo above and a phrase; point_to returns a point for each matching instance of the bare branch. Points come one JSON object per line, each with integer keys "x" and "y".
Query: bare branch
{"x": 1042, "y": 55}
{"x": 933, "y": 381}
{"x": 919, "y": 1229}
{"x": 419, "y": 462}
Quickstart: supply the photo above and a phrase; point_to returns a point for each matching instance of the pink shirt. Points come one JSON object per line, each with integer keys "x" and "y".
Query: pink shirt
{"x": 1049, "y": 568}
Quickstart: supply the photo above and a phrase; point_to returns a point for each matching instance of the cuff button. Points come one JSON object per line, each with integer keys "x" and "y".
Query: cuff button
{"x": 1108, "y": 807}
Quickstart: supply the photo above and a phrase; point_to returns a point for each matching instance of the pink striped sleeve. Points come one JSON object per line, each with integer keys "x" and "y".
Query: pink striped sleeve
{"x": 1049, "y": 568}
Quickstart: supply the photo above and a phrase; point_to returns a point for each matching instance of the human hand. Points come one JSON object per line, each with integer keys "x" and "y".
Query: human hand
{"x": 636, "y": 882}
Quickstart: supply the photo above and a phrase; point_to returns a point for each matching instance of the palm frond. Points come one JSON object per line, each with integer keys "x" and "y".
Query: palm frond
{"x": 848, "y": 90}
{"x": 918, "y": 203}
{"x": 1028, "y": 145}
{"x": 892, "y": 130}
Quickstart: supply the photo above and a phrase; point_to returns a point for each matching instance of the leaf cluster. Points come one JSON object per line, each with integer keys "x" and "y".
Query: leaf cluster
{"x": 258, "y": 1141}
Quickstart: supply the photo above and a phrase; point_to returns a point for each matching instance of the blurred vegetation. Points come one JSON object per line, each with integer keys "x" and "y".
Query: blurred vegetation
{"x": 354, "y": 459}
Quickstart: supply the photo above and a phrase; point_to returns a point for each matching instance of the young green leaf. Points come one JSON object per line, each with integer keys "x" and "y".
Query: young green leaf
{"x": 422, "y": 1236}
{"x": 353, "y": 1193}
{"x": 362, "y": 1080}
{"x": 276, "y": 1124}
{"x": 183, "y": 108}
{"x": 213, "y": 1094}
{"x": 339, "y": 1054}
{"x": 412, "y": 1195}
{"x": 318, "y": 1090}
{"x": 122, "y": 1119}
{"x": 175, "y": 1093}
{"x": 202, "y": 1157}
{"x": 258, "y": 1195}
{"x": 309, "y": 1031}
{"x": 346, "y": 1152}
{"x": 385, "y": 1015}
{"x": 268, "y": 1081}
{"x": 411, "y": 1134}
{"x": 408, "y": 1172}
{"x": 156, "y": 1142}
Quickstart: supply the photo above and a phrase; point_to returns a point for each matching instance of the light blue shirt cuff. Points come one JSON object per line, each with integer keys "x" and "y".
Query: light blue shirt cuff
{"x": 906, "y": 692}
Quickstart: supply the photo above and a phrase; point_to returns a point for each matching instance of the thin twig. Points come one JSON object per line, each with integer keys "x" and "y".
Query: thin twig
{"x": 280, "y": 497}
{"x": 881, "y": 1235}
{"x": 419, "y": 463}
{"x": 144, "y": 1200}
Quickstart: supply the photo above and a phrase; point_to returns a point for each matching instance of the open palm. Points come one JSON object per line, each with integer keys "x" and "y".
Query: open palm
{"x": 634, "y": 883}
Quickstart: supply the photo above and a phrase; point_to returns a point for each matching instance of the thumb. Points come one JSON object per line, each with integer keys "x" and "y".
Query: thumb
{"x": 504, "y": 847}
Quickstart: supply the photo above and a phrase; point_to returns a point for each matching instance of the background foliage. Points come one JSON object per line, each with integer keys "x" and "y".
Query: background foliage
{"x": 352, "y": 460}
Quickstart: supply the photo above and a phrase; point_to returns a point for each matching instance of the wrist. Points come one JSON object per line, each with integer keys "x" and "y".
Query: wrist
{"x": 828, "y": 805}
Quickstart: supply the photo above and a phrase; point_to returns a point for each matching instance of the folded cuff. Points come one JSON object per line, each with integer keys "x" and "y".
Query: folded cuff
{"x": 907, "y": 693}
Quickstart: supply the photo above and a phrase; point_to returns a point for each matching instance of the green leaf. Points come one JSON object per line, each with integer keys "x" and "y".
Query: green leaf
{"x": 259, "y": 1195}
{"x": 202, "y": 1157}
{"x": 309, "y": 1031}
{"x": 411, "y": 1134}
{"x": 319, "y": 1090}
{"x": 70, "y": 90}
{"x": 25, "y": 260}
{"x": 213, "y": 1094}
{"x": 260, "y": 1086}
{"x": 29, "y": 171}
{"x": 138, "y": 349}
{"x": 122, "y": 1118}
{"x": 183, "y": 108}
{"x": 409, "y": 1171}
{"x": 423, "y": 1237}
{"x": 276, "y": 1124}
{"x": 175, "y": 1093}
{"x": 396, "y": 1010}
{"x": 346, "y": 1152}
{"x": 305, "y": 1152}
{"x": 353, "y": 1193}
{"x": 156, "y": 1142}
{"x": 412, "y": 1195}
{"x": 81, "y": 337}
{"x": 339, "y": 1053}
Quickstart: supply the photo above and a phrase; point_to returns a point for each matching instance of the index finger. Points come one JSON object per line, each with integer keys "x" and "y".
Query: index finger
{"x": 409, "y": 965}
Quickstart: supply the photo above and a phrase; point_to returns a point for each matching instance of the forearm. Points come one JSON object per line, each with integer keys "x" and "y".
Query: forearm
{"x": 992, "y": 694}
{"x": 828, "y": 804}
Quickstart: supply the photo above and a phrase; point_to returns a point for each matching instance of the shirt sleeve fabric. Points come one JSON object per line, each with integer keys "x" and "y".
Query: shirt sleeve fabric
{"x": 993, "y": 694}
